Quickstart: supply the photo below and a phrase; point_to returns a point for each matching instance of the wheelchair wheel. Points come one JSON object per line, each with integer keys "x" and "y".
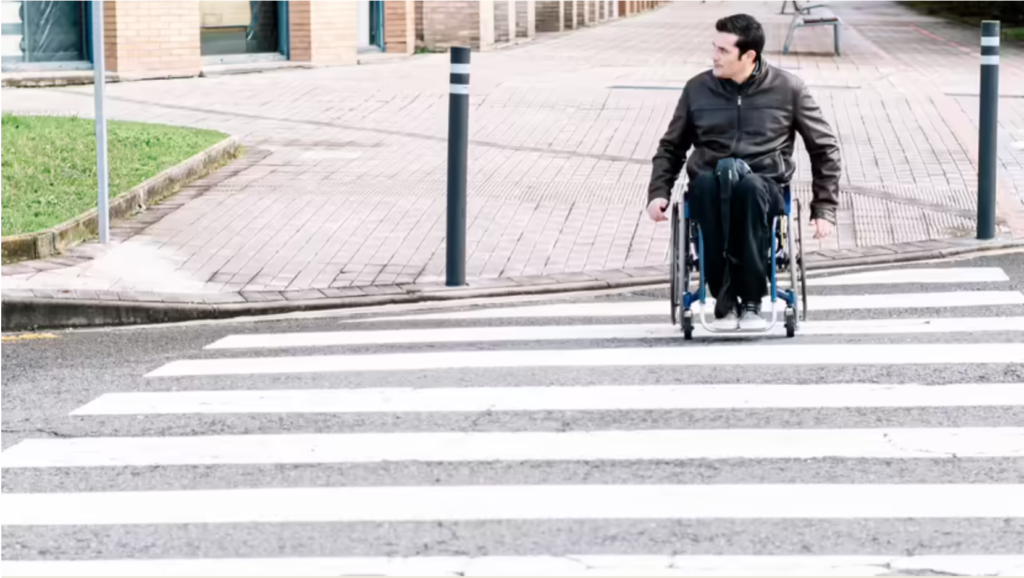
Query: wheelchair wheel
{"x": 799, "y": 255}
{"x": 685, "y": 264}
{"x": 792, "y": 263}
{"x": 791, "y": 322}
{"x": 675, "y": 266}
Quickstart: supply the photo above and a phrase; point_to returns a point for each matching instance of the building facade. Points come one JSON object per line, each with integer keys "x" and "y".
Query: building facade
{"x": 179, "y": 38}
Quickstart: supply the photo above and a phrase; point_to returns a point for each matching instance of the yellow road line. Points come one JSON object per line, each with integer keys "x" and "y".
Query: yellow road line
{"x": 28, "y": 336}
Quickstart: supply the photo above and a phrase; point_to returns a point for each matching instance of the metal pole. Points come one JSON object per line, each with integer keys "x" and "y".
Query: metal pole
{"x": 458, "y": 145}
{"x": 99, "y": 82}
{"x": 988, "y": 129}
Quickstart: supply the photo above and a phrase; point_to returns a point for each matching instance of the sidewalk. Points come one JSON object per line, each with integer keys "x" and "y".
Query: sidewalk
{"x": 342, "y": 192}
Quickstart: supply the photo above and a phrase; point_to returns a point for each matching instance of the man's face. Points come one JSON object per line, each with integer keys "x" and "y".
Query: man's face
{"x": 726, "y": 57}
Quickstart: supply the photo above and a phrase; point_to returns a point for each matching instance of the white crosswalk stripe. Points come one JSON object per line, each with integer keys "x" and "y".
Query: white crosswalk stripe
{"x": 595, "y": 332}
{"x": 823, "y": 354}
{"x": 510, "y": 502}
{"x": 481, "y": 364}
{"x": 653, "y": 308}
{"x": 577, "y": 565}
{"x": 556, "y": 398}
{"x": 916, "y": 275}
{"x": 749, "y": 444}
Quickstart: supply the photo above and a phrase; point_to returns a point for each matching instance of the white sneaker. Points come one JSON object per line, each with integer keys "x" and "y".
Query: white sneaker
{"x": 751, "y": 319}
{"x": 728, "y": 323}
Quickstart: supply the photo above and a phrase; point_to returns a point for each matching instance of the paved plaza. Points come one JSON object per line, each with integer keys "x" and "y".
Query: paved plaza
{"x": 343, "y": 181}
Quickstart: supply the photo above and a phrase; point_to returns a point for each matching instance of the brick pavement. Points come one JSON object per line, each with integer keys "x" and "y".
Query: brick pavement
{"x": 943, "y": 58}
{"x": 343, "y": 184}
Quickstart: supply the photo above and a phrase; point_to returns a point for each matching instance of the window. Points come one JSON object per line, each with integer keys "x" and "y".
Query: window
{"x": 44, "y": 34}
{"x": 241, "y": 28}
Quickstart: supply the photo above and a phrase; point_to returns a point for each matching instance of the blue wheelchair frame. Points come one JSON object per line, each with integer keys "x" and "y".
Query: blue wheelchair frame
{"x": 687, "y": 255}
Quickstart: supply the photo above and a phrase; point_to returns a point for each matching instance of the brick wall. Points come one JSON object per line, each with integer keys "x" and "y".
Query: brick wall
{"x": 419, "y": 22}
{"x": 486, "y": 24}
{"x": 548, "y": 16}
{"x": 400, "y": 26}
{"x": 531, "y": 18}
{"x": 323, "y": 32}
{"x": 334, "y": 27}
{"x": 299, "y": 33}
{"x": 144, "y": 39}
{"x": 111, "y": 36}
{"x": 523, "y": 19}
{"x": 501, "y": 21}
{"x": 451, "y": 23}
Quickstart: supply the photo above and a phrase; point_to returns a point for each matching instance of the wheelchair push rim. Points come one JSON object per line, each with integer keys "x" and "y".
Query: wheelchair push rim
{"x": 799, "y": 256}
{"x": 674, "y": 270}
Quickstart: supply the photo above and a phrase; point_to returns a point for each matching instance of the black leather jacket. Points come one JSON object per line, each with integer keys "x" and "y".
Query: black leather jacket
{"x": 756, "y": 122}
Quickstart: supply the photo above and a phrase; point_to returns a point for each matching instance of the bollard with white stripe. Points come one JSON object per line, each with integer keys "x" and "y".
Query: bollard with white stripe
{"x": 458, "y": 144}
{"x": 988, "y": 129}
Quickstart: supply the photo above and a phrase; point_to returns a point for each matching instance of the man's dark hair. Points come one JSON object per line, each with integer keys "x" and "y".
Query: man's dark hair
{"x": 750, "y": 35}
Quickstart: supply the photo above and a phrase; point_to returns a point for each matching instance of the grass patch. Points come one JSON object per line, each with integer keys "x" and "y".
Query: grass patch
{"x": 972, "y": 13}
{"x": 1015, "y": 34}
{"x": 49, "y": 164}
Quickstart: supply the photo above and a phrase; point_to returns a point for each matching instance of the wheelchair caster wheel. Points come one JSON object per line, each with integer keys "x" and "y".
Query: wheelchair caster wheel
{"x": 790, "y": 322}
{"x": 687, "y": 325}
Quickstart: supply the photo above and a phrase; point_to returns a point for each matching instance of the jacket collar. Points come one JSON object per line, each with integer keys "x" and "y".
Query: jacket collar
{"x": 759, "y": 74}
{"x": 757, "y": 67}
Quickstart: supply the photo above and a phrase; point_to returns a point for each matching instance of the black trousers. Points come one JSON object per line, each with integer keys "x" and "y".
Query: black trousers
{"x": 739, "y": 268}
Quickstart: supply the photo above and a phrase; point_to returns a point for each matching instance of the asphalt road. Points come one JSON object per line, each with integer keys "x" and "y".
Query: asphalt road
{"x": 593, "y": 439}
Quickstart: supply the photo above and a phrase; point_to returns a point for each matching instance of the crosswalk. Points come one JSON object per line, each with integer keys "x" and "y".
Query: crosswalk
{"x": 580, "y": 437}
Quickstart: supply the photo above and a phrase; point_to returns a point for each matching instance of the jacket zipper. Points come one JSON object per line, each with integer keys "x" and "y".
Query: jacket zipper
{"x": 739, "y": 125}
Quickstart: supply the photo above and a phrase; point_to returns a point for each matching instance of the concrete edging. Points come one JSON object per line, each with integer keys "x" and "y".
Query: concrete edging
{"x": 23, "y": 314}
{"x": 53, "y": 241}
{"x": 31, "y": 313}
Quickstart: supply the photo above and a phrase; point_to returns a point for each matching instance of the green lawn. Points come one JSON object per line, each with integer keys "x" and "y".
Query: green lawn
{"x": 49, "y": 164}
{"x": 972, "y": 13}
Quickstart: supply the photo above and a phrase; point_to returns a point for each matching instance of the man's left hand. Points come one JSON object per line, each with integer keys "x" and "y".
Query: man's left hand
{"x": 822, "y": 228}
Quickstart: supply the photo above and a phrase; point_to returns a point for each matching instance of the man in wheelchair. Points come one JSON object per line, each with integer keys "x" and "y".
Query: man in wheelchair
{"x": 747, "y": 110}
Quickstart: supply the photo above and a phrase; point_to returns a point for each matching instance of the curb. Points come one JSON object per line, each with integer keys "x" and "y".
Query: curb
{"x": 21, "y": 314}
{"x": 979, "y": 247}
{"x": 55, "y": 240}
{"x": 53, "y": 79}
{"x": 33, "y": 313}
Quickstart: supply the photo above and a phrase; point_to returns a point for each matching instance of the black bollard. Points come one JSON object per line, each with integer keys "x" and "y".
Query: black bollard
{"x": 988, "y": 129}
{"x": 458, "y": 145}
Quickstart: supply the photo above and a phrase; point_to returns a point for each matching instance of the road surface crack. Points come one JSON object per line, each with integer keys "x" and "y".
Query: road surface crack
{"x": 894, "y": 444}
{"x": 48, "y": 432}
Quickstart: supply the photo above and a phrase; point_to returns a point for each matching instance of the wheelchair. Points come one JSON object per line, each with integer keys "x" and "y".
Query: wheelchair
{"x": 785, "y": 256}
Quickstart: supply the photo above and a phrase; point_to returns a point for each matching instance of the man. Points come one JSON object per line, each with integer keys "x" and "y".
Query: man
{"x": 747, "y": 110}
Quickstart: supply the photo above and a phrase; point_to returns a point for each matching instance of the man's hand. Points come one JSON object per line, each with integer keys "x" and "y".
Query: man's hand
{"x": 822, "y": 228}
{"x": 656, "y": 210}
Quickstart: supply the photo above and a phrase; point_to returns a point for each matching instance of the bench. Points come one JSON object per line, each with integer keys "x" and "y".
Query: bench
{"x": 802, "y": 18}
